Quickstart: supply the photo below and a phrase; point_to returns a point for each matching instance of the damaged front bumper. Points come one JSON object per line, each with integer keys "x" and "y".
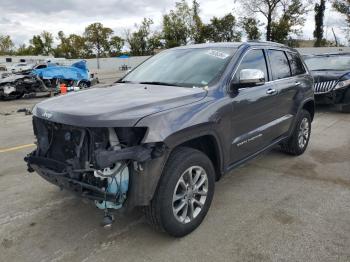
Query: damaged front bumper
{"x": 45, "y": 168}
{"x": 92, "y": 164}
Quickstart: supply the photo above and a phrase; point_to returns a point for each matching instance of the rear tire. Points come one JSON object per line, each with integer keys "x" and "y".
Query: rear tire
{"x": 84, "y": 85}
{"x": 184, "y": 193}
{"x": 299, "y": 140}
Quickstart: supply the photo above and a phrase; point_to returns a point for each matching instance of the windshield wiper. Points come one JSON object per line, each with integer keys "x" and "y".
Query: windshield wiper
{"x": 159, "y": 83}
{"x": 125, "y": 81}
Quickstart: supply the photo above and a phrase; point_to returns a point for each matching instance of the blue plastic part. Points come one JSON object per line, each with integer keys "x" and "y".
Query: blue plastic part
{"x": 77, "y": 71}
{"x": 118, "y": 185}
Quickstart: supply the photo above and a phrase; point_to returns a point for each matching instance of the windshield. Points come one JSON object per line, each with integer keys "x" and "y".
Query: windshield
{"x": 333, "y": 62}
{"x": 192, "y": 67}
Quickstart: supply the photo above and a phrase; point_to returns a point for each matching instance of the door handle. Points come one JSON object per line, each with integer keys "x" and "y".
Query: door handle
{"x": 297, "y": 83}
{"x": 271, "y": 91}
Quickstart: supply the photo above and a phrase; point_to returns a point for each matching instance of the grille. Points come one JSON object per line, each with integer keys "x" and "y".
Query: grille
{"x": 324, "y": 87}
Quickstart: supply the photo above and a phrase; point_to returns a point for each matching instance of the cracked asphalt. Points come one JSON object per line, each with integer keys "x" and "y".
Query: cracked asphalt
{"x": 274, "y": 208}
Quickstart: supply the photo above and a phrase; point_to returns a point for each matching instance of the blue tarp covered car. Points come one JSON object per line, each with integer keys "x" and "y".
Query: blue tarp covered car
{"x": 77, "y": 72}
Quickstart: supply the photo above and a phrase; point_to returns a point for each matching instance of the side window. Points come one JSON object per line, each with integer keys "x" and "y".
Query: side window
{"x": 279, "y": 64}
{"x": 254, "y": 59}
{"x": 296, "y": 64}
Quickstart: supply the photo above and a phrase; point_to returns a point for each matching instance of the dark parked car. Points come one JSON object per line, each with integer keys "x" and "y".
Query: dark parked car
{"x": 331, "y": 73}
{"x": 161, "y": 136}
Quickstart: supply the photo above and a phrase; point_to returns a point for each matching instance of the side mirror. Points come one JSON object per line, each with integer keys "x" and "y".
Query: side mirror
{"x": 251, "y": 77}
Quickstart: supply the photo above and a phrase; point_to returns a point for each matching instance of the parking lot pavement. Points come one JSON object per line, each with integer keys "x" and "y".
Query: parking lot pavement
{"x": 275, "y": 208}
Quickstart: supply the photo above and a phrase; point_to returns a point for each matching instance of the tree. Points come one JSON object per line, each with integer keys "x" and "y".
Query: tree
{"x": 139, "y": 40}
{"x": 155, "y": 41}
{"x": 176, "y": 25}
{"x": 6, "y": 45}
{"x": 223, "y": 29}
{"x": 47, "y": 40}
{"x": 265, "y": 7}
{"x": 36, "y": 45}
{"x": 97, "y": 38}
{"x": 197, "y": 33}
{"x": 250, "y": 27}
{"x": 72, "y": 47}
{"x": 319, "y": 17}
{"x": 289, "y": 22}
{"x": 116, "y": 44}
{"x": 23, "y": 50}
{"x": 343, "y": 7}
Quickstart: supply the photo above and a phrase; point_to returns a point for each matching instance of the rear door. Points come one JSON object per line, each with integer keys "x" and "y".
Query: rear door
{"x": 285, "y": 85}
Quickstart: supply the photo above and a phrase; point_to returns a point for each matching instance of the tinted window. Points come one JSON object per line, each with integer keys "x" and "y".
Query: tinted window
{"x": 254, "y": 59}
{"x": 296, "y": 65}
{"x": 279, "y": 64}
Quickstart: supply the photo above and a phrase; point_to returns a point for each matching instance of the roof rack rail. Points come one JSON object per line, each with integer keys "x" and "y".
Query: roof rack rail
{"x": 264, "y": 42}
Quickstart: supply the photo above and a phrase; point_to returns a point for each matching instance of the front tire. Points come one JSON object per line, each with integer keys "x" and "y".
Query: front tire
{"x": 184, "y": 193}
{"x": 299, "y": 140}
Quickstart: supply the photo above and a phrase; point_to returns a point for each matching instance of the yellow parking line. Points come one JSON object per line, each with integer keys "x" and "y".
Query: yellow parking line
{"x": 15, "y": 148}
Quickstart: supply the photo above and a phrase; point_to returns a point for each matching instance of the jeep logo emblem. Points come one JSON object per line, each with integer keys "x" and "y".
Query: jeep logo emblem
{"x": 47, "y": 115}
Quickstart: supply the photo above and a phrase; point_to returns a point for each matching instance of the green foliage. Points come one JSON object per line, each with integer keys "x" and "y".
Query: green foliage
{"x": 288, "y": 23}
{"x": 116, "y": 44}
{"x": 23, "y": 50}
{"x": 97, "y": 38}
{"x": 268, "y": 8}
{"x": 155, "y": 41}
{"x": 47, "y": 41}
{"x": 223, "y": 29}
{"x": 72, "y": 47}
{"x": 36, "y": 45}
{"x": 197, "y": 27}
{"x": 6, "y": 45}
{"x": 343, "y": 7}
{"x": 319, "y": 17}
{"x": 250, "y": 27}
{"x": 177, "y": 25}
{"x": 139, "y": 40}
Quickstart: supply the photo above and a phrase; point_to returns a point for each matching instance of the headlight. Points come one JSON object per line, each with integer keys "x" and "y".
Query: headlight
{"x": 342, "y": 84}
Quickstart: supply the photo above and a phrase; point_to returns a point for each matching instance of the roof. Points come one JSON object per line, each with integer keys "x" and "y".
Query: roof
{"x": 234, "y": 45}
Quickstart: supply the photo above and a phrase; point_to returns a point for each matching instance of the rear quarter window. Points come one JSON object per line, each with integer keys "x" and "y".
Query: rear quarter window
{"x": 296, "y": 65}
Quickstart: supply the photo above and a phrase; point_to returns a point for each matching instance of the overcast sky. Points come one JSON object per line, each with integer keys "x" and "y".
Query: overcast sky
{"x": 22, "y": 19}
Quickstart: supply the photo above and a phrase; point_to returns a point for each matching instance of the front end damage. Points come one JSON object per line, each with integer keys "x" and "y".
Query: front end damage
{"x": 19, "y": 85}
{"x": 106, "y": 165}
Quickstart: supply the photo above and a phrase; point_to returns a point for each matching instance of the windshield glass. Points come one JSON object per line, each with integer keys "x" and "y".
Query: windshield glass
{"x": 333, "y": 62}
{"x": 190, "y": 67}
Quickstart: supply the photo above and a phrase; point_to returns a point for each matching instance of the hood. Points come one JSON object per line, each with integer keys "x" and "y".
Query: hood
{"x": 119, "y": 105}
{"x": 12, "y": 78}
{"x": 324, "y": 76}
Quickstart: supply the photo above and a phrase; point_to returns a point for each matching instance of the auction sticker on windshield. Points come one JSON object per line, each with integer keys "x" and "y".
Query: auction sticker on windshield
{"x": 217, "y": 54}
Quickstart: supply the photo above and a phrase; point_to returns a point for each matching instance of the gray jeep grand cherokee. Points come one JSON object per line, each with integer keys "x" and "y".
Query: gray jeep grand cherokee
{"x": 161, "y": 136}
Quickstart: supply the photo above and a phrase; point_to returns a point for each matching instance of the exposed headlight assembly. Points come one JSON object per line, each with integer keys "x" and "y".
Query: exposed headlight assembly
{"x": 342, "y": 84}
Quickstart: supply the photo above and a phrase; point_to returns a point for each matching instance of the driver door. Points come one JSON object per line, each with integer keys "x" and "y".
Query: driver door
{"x": 253, "y": 108}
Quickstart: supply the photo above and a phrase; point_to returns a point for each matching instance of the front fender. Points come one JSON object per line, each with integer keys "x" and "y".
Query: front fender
{"x": 173, "y": 128}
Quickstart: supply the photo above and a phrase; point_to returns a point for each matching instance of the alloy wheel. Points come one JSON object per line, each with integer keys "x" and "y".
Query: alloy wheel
{"x": 304, "y": 132}
{"x": 190, "y": 194}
